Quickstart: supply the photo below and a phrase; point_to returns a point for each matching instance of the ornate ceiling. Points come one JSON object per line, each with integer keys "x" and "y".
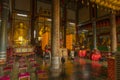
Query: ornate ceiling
{"x": 111, "y": 4}
{"x": 107, "y": 4}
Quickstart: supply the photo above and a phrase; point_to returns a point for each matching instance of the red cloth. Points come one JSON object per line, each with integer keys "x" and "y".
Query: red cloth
{"x": 7, "y": 69}
{"x": 96, "y": 56}
{"x": 46, "y": 50}
{"x": 23, "y": 66}
{"x": 82, "y": 53}
{"x": 5, "y": 77}
{"x": 35, "y": 65}
{"x": 41, "y": 71}
{"x": 30, "y": 59}
{"x": 23, "y": 75}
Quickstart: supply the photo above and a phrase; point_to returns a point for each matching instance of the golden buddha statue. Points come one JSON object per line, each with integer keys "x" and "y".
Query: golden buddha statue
{"x": 82, "y": 38}
{"x": 103, "y": 41}
{"x": 41, "y": 31}
{"x": 20, "y": 33}
{"x": 108, "y": 42}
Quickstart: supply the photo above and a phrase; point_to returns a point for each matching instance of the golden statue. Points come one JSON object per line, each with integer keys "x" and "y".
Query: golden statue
{"x": 41, "y": 31}
{"x": 108, "y": 42}
{"x": 82, "y": 38}
{"x": 20, "y": 33}
{"x": 103, "y": 41}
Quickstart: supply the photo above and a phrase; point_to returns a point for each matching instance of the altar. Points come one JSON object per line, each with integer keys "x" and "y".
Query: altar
{"x": 23, "y": 51}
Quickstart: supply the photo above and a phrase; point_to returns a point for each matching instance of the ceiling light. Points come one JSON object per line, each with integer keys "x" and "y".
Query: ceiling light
{"x": 85, "y": 30}
{"x": 49, "y": 19}
{"x": 34, "y": 33}
{"x": 23, "y": 15}
{"x": 71, "y": 23}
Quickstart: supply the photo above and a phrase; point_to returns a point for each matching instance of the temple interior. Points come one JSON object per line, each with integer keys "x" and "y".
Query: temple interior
{"x": 59, "y": 39}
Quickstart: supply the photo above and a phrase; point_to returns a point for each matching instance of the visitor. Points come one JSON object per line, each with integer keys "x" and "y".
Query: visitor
{"x": 63, "y": 60}
{"x": 72, "y": 54}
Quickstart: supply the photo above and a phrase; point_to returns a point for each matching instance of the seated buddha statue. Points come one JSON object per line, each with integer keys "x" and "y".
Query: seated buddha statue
{"x": 20, "y": 33}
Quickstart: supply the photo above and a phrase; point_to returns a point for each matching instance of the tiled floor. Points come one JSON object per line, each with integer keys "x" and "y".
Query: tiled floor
{"x": 83, "y": 69}
{"x": 79, "y": 69}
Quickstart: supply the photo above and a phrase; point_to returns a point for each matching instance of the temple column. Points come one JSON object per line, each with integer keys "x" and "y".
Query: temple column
{"x": 94, "y": 34}
{"x": 64, "y": 18}
{"x": 113, "y": 33}
{"x": 3, "y": 30}
{"x": 33, "y": 31}
{"x": 76, "y": 21}
{"x": 55, "y": 43}
{"x": 3, "y": 33}
{"x": 93, "y": 13}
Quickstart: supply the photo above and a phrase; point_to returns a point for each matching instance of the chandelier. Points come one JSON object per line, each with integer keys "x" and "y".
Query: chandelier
{"x": 111, "y": 4}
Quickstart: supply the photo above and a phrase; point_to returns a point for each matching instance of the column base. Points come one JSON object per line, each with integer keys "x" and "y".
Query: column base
{"x": 55, "y": 63}
{"x": 2, "y": 57}
{"x": 55, "y": 72}
{"x": 55, "y": 66}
